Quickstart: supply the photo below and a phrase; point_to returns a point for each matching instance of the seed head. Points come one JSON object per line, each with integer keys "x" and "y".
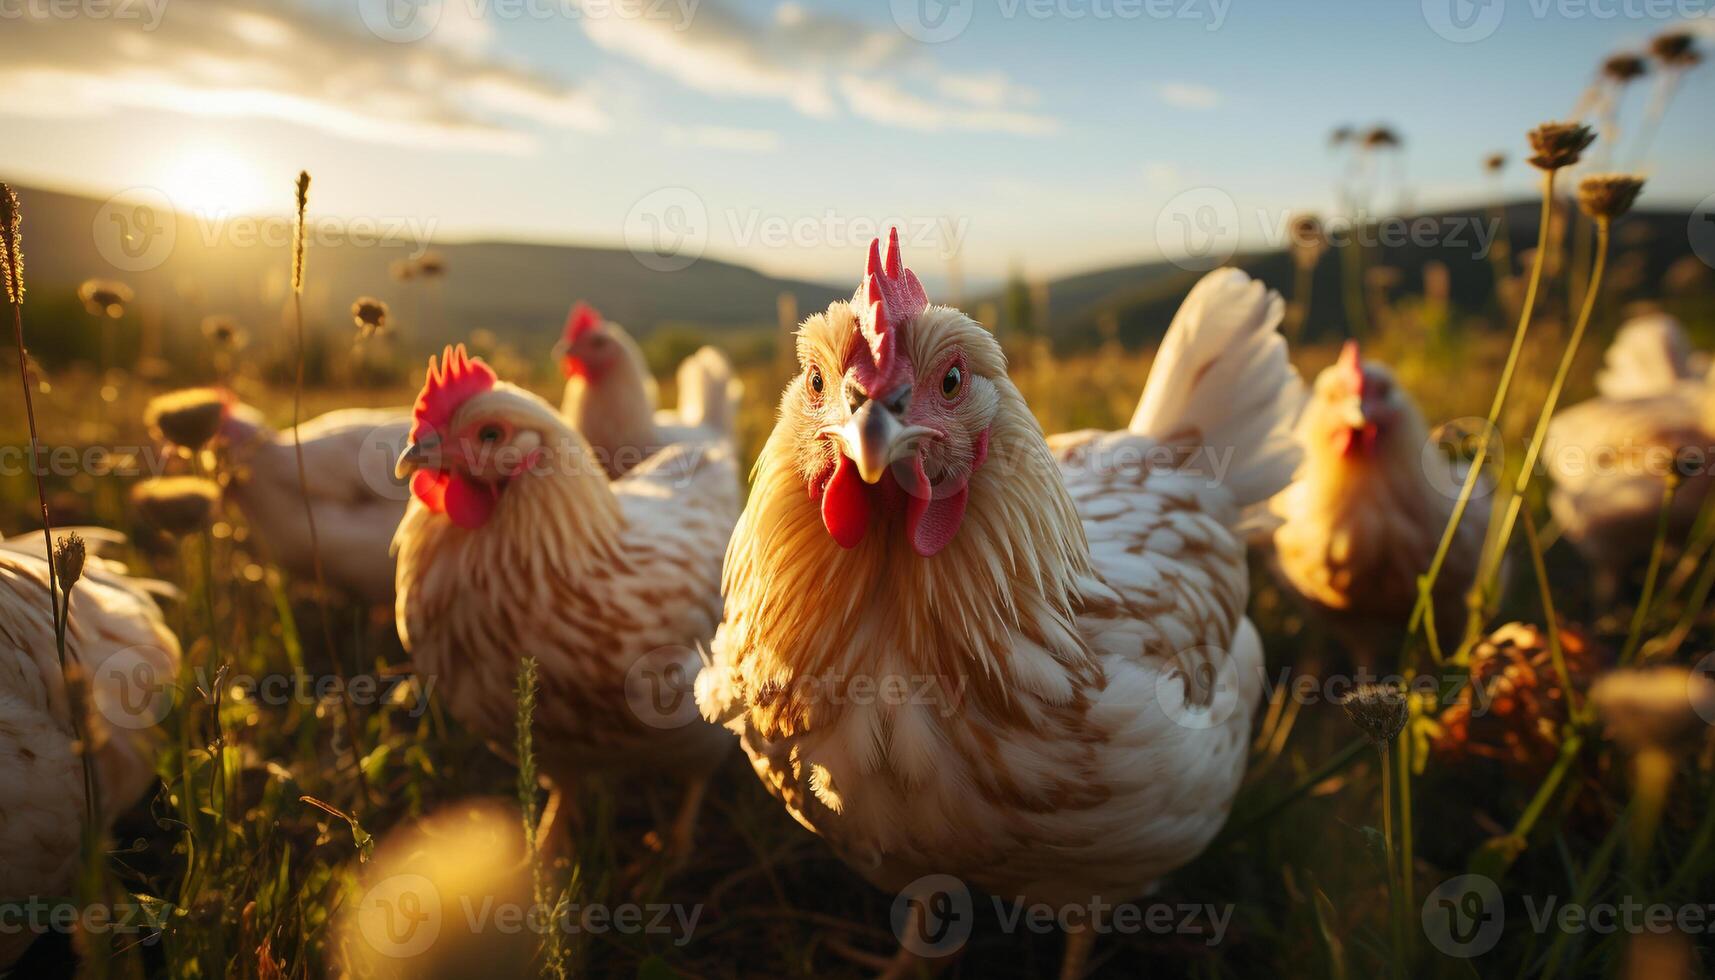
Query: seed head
{"x": 1340, "y": 136}
{"x": 105, "y": 297}
{"x": 177, "y": 505}
{"x": 1676, "y": 49}
{"x": 298, "y": 232}
{"x": 1559, "y": 144}
{"x": 224, "y": 332}
{"x": 1607, "y": 196}
{"x": 69, "y": 555}
{"x": 1381, "y": 138}
{"x": 370, "y": 316}
{"x": 1623, "y": 68}
{"x": 1309, "y": 240}
{"x": 1661, "y": 707}
{"x": 432, "y": 265}
{"x": 1495, "y": 162}
{"x": 402, "y": 270}
{"x": 11, "y": 244}
{"x": 188, "y": 418}
{"x": 1379, "y": 710}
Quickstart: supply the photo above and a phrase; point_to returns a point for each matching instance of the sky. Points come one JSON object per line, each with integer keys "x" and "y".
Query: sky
{"x": 1047, "y": 136}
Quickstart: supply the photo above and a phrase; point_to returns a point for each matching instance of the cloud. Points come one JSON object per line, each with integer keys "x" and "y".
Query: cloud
{"x": 815, "y": 62}
{"x": 1188, "y": 95}
{"x": 203, "y": 59}
{"x": 725, "y": 138}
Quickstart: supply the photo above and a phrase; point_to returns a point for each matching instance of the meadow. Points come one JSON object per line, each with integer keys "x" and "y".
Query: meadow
{"x": 297, "y": 774}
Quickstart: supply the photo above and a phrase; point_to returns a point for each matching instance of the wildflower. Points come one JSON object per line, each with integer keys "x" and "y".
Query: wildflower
{"x": 224, "y": 332}
{"x": 432, "y": 265}
{"x": 1340, "y": 136}
{"x": 1623, "y": 68}
{"x": 1559, "y": 144}
{"x": 1654, "y": 708}
{"x": 1676, "y": 49}
{"x": 303, "y": 191}
{"x": 69, "y": 556}
{"x": 178, "y": 505}
{"x": 402, "y": 270}
{"x": 104, "y": 297}
{"x": 1381, "y": 138}
{"x": 1379, "y": 710}
{"x": 1309, "y": 240}
{"x": 1607, "y": 196}
{"x": 11, "y": 244}
{"x": 370, "y": 316}
{"x": 1495, "y": 162}
{"x": 188, "y": 418}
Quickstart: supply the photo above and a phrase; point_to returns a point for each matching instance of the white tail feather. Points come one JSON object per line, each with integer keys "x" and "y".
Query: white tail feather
{"x": 709, "y": 392}
{"x": 1222, "y": 381}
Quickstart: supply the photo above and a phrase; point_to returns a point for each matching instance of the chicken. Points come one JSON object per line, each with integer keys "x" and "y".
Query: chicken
{"x": 1362, "y": 520}
{"x": 953, "y": 646}
{"x": 515, "y": 544}
{"x": 611, "y": 397}
{"x": 348, "y": 465}
{"x": 130, "y": 660}
{"x": 1610, "y": 456}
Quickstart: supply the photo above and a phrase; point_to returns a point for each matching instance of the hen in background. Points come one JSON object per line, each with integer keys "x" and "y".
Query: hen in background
{"x": 130, "y": 660}
{"x": 348, "y": 467}
{"x": 516, "y": 544}
{"x": 1067, "y": 623}
{"x": 610, "y": 395}
{"x": 1610, "y": 456}
{"x": 1363, "y": 518}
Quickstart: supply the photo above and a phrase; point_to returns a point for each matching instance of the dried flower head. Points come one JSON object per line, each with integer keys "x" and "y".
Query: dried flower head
{"x": 1309, "y": 240}
{"x": 1381, "y": 138}
{"x": 402, "y": 270}
{"x": 69, "y": 555}
{"x": 1559, "y": 144}
{"x": 298, "y": 232}
{"x": 1659, "y": 707}
{"x": 1379, "y": 710}
{"x": 1676, "y": 49}
{"x": 11, "y": 244}
{"x": 188, "y": 418}
{"x": 1623, "y": 68}
{"x": 178, "y": 505}
{"x": 224, "y": 332}
{"x": 104, "y": 297}
{"x": 1495, "y": 162}
{"x": 432, "y": 265}
{"x": 1340, "y": 136}
{"x": 370, "y": 316}
{"x": 1607, "y": 196}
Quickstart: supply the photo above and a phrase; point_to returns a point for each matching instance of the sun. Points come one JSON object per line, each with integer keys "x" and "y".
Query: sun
{"x": 211, "y": 180}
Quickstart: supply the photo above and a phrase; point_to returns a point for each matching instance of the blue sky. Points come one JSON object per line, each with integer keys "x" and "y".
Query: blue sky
{"x": 1048, "y": 135}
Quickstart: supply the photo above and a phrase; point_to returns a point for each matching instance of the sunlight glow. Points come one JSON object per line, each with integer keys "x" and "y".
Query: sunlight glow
{"x": 211, "y": 179}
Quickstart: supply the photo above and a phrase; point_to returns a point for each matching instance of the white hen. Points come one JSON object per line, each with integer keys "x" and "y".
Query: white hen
{"x": 952, "y": 646}
{"x": 610, "y": 396}
{"x": 348, "y": 463}
{"x": 130, "y": 659}
{"x": 1610, "y": 456}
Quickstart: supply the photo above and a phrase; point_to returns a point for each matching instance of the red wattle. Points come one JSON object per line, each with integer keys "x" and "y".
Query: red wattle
{"x": 845, "y": 504}
{"x": 466, "y": 503}
{"x": 931, "y": 521}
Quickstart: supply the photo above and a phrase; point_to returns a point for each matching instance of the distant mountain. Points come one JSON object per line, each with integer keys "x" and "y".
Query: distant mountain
{"x": 240, "y": 266}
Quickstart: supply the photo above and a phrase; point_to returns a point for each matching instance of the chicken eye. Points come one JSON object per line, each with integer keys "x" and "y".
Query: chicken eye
{"x": 490, "y": 434}
{"x": 816, "y": 380}
{"x": 952, "y": 381}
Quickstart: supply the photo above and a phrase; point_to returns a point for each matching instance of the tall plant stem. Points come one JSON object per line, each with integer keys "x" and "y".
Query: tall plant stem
{"x": 1402, "y": 781}
{"x": 1396, "y": 894}
{"x": 1540, "y": 434}
{"x": 1635, "y": 635}
{"x": 1426, "y": 587}
{"x": 36, "y": 469}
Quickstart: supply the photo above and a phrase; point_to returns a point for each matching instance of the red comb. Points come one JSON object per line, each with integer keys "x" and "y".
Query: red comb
{"x": 1352, "y": 364}
{"x": 449, "y": 384}
{"x": 889, "y": 296}
{"x": 580, "y": 321}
